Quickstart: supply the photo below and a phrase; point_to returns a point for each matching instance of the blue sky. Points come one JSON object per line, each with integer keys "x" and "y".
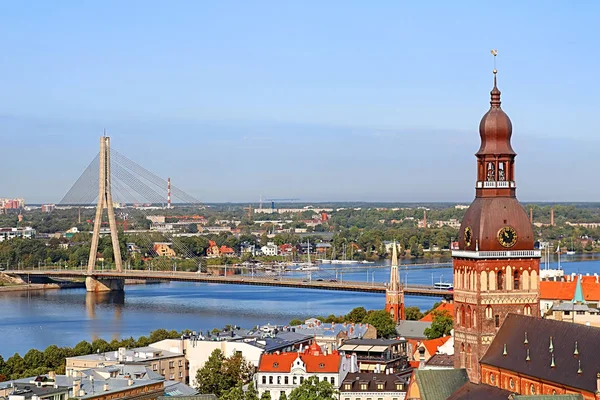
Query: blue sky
{"x": 347, "y": 100}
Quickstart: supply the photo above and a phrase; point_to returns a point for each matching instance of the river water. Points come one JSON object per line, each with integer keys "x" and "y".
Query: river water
{"x": 65, "y": 317}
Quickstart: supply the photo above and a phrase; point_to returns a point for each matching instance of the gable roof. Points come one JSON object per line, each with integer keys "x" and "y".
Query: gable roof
{"x": 444, "y": 307}
{"x": 354, "y": 379}
{"x": 314, "y": 363}
{"x": 440, "y": 384}
{"x": 564, "y": 336}
{"x": 473, "y": 391}
{"x": 432, "y": 344}
{"x": 566, "y": 290}
{"x": 412, "y": 329}
{"x": 441, "y": 360}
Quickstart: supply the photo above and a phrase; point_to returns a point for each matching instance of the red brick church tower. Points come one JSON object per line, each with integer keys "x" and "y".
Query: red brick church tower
{"x": 496, "y": 269}
{"x": 394, "y": 294}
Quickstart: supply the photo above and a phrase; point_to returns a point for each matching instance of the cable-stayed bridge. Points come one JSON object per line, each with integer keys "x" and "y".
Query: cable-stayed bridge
{"x": 132, "y": 196}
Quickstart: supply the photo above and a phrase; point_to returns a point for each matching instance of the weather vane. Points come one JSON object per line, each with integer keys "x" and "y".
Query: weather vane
{"x": 494, "y": 53}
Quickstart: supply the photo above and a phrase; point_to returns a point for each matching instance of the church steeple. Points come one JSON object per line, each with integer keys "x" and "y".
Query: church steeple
{"x": 394, "y": 294}
{"x": 496, "y": 268}
{"x": 394, "y": 274}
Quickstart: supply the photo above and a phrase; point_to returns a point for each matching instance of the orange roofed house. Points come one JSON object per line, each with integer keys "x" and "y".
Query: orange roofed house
{"x": 215, "y": 251}
{"x": 282, "y": 372}
{"x": 444, "y": 307}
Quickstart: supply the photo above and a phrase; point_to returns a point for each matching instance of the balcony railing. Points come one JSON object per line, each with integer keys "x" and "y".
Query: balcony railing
{"x": 495, "y": 184}
{"x": 497, "y": 254}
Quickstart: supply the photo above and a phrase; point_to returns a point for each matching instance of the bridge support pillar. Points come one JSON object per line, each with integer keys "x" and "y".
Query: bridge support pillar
{"x": 104, "y": 284}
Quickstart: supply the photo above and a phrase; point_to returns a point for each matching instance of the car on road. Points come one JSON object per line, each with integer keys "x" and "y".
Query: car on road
{"x": 333, "y": 280}
{"x": 319, "y": 280}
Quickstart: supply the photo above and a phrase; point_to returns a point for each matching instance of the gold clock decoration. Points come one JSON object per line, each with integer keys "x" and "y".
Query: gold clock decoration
{"x": 468, "y": 236}
{"x": 507, "y": 236}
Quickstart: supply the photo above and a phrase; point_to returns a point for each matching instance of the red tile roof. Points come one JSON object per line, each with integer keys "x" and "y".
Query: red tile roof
{"x": 314, "y": 361}
{"x": 432, "y": 344}
{"x": 448, "y": 307}
{"x": 562, "y": 290}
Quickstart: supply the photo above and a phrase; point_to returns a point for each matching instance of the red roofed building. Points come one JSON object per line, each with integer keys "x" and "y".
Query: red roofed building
{"x": 553, "y": 292}
{"x": 444, "y": 307}
{"x": 216, "y": 251}
{"x": 424, "y": 350}
{"x": 282, "y": 372}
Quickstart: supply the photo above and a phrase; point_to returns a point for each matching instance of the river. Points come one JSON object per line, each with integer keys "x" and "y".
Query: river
{"x": 38, "y": 319}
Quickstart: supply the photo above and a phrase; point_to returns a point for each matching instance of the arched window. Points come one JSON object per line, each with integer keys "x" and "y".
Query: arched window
{"x": 462, "y": 315}
{"x": 484, "y": 281}
{"x": 468, "y": 364}
{"x": 516, "y": 280}
{"x": 525, "y": 280}
{"x": 527, "y": 309}
{"x": 492, "y": 280}
{"x": 469, "y": 315}
{"x": 462, "y": 355}
{"x": 458, "y": 316}
{"x": 501, "y": 172}
{"x": 500, "y": 280}
{"x": 534, "y": 280}
{"x": 474, "y": 319}
{"x": 488, "y": 312}
{"x": 508, "y": 280}
{"x": 491, "y": 172}
{"x": 497, "y": 321}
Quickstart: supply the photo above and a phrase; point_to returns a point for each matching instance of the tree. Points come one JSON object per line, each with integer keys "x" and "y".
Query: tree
{"x": 220, "y": 374}
{"x": 208, "y": 378}
{"x": 235, "y": 393}
{"x": 295, "y": 322}
{"x": 382, "y": 321}
{"x": 413, "y": 313}
{"x": 313, "y": 389}
{"x": 34, "y": 359}
{"x": 251, "y": 393}
{"x": 82, "y": 348}
{"x": 357, "y": 315}
{"x": 440, "y": 326}
{"x": 266, "y": 396}
{"x": 283, "y": 396}
{"x": 100, "y": 346}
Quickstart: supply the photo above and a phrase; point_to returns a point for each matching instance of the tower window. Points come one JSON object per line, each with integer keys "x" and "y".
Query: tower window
{"x": 497, "y": 320}
{"x": 491, "y": 172}
{"x": 488, "y": 312}
{"x": 500, "y": 281}
{"x": 501, "y": 173}
{"x": 516, "y": 280}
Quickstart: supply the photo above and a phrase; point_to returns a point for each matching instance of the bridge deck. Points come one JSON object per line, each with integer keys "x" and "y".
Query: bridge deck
{"x": 350, "y": 286}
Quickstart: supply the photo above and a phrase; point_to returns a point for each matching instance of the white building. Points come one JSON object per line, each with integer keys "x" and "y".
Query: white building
{"x": 197, "y": 352}
{"x": 11, "y": 233}
{"x": 270, "y": 249}
{"x": 283, "y": 372}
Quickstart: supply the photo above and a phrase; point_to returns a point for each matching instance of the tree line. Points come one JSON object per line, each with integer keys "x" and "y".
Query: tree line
{"x": 53, "y": 358}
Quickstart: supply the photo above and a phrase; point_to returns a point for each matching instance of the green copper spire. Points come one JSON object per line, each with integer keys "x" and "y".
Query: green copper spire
{"x": 578, "y": 298}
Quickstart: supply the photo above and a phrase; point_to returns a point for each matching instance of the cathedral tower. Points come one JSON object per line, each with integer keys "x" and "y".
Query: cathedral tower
{"x": 394, "y": 294}
{"x": 496, "y": 269}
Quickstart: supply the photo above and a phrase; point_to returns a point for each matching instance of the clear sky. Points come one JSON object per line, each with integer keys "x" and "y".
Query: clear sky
{"x": 336, "y": 100}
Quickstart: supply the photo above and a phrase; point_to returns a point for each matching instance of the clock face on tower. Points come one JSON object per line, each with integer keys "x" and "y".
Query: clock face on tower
{"x": 507, "y": 236}
{"x": 468, "y": 236}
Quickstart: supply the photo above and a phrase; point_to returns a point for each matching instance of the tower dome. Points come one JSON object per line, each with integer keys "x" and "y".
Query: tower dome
{"x": 495, "y": 127}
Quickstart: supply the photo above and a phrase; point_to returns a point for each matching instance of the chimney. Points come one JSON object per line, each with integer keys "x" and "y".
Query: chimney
{"x": 105, "y": 386}
{"x": 52, "y": 375}
{"x": 552, "y": 216}
{"x": 76, "y": 387}
{"x": 130, "y": 382}
{"x": 531, "y": 215}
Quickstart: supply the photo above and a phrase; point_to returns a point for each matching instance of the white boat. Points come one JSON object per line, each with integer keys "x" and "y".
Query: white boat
{"x": 308, "y": 268}
{"x": 570, "y": 252}
{"x": 367, "y": 262}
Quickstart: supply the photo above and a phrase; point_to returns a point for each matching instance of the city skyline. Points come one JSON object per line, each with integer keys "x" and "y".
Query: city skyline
{"x": 213, "y": 98}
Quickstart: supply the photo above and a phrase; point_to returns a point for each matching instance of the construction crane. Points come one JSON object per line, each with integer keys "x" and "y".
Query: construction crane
{"x": 278, "y": 200}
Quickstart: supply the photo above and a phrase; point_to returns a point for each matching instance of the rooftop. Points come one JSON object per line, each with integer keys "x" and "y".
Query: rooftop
{"x": 139, "y": 354}
{"x": 560, "y": 352}
{"x": 412, "y": 329}
{"x": 444, "y": 307}
{"x": 390, "y": 382}
{"x": 313, "y": 360}
{"x": 439, "y": 384}
{"x": 472, "y": 391}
